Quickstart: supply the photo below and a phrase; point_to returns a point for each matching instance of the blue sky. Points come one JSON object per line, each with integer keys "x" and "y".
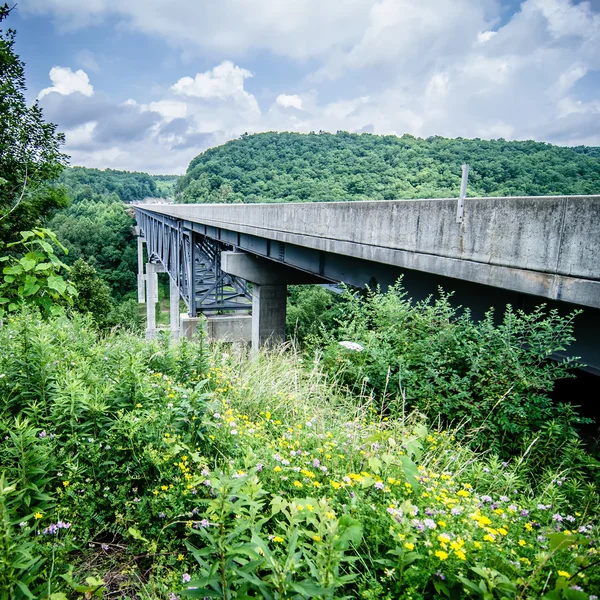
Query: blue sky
{"x": 148, "y": 84}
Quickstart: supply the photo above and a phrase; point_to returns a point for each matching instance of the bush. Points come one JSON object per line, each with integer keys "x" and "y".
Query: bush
{"x": 433, "y": 357}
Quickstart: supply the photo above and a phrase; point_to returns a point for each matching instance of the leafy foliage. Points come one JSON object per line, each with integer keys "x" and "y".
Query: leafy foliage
{"x": 29, "y": 149}
{"x": 84, "y": 183}
{"x": 433, "y": 357}
{"x": 292, "y": 167}
{"x": 93, "y": 295}
{"x": 100, "y": 231}
{"x": 35, "y": 276}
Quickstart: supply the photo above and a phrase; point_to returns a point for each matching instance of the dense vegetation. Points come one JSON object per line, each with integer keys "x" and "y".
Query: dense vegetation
{"x": 100, "y": 231}
{"x": 292, "y": 167}
{"x": 84, "y": 184}
{"x": 162, "y": 470}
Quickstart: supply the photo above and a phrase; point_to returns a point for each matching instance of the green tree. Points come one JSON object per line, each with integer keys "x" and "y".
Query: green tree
{"x": 29, "y": 149}
{"x": 93, "y": 292}
{"x": 292, "y": 167}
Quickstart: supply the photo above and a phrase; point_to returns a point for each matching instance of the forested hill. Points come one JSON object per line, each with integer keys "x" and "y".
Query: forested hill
{"x": 288, "y": 167}
{"x": 129, "y": 186}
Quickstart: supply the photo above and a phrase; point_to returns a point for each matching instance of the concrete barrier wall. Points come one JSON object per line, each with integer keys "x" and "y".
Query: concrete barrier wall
{"x": 556, "y": 234}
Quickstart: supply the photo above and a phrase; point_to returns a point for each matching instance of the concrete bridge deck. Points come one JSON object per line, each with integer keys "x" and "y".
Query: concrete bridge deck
{"x": 542, "y": 246}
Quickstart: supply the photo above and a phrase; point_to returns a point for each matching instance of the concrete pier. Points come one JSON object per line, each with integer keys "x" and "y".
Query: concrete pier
{"x": 268, "y": 315}
{"x": 151, "y": 299}
{"x": 174, "y": 308}
{"x": 269, "y": 293}
{"x": 140, "y": 277}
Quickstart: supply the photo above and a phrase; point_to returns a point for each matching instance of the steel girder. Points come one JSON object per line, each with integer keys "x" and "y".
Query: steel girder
{"x": 193, "y": 261}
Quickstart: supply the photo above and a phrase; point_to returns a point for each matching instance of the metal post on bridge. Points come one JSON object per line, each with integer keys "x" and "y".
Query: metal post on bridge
{"x": 460, "y": 208}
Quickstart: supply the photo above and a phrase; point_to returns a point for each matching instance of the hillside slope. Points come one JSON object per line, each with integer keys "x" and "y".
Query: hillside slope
{"x": 289, "y": 167}
{"x": 130, "y": 186}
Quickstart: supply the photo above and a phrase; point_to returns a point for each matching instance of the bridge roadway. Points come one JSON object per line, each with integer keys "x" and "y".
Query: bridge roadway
{"x": 522, "y": 250}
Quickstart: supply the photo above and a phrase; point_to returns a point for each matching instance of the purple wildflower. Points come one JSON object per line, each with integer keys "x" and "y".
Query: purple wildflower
{"x": 259, "y": 467}
{"x": 524, "y": 513}
{"x": 418, "y": 525}
{"x": 42, "y": 435}
{"x": 379, "y": 485}
{"x": 557, "y": 517}
{"x": 430, "y": 524}
{"x": 186, "y": 578}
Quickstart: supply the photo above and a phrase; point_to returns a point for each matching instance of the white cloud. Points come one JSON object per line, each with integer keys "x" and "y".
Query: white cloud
{"x": 289, "y": 101}
{"x": 169, "y": 109}
{"x": 436, "y": 67}
{"x": 485, "y": 36}
{"x": 68, "y": 82}
{"x": 224, "y": 81}
{"x": 296, "y": 28}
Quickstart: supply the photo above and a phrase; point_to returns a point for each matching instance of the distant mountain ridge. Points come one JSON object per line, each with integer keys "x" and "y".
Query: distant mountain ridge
{"x": 292, "y": 167}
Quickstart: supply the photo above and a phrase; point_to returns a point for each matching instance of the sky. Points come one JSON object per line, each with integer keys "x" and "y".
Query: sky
{"x": 147, "y": 85}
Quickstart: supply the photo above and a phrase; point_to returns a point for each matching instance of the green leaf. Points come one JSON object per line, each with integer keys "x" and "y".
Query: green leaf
{"x": 310, "y": 588}
{"x": 375, "y": 465}
{"x": 561, "y": 540}
{"x": 57, "y": 283}
{"x": 28, "y": 263}
{"x": 25, "y": 590}
{"x": 29, "y": 290}
{"x": 14, "y": 270}
{"x": 44, "y": 266}
{"x": 136, "y": 534}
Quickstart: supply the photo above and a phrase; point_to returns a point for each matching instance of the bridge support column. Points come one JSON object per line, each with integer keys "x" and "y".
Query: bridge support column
{"x": 140, "y": 277}
{"x": 174, "y": 308}
{"x": 268, "y": 315}
{"x": 269, "y": 293}
{"x": 151, "y": 299}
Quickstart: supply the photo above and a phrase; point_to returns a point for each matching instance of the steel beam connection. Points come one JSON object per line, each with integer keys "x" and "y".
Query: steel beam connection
{"x": 193, "y": 261}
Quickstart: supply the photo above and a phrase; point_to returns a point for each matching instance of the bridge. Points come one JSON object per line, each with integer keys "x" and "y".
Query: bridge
{"x": 518, "y": 250}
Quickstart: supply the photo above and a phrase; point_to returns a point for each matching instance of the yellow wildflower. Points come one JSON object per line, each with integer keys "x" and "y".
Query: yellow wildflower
{"x": 441, "y": 554}
{"x": 564, "y": 574}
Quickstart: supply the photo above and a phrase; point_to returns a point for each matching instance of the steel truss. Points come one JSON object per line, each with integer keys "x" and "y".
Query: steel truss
{"x": 193, "y": 261}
